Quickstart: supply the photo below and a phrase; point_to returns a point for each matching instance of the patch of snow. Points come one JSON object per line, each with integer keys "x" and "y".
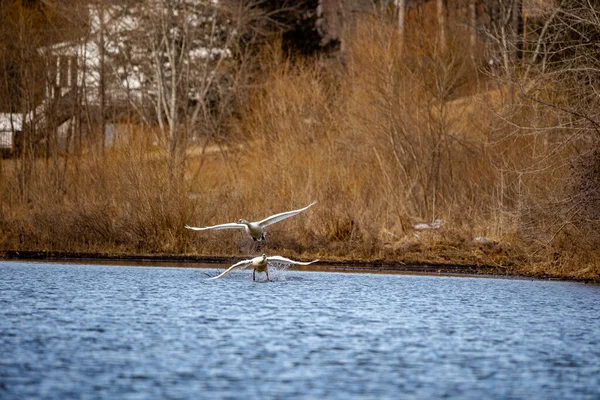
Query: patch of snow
{"x": 484, "y": 240}
{"x": 433, "y": 225}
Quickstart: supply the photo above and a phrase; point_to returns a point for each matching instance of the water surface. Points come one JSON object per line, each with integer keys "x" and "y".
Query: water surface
{"x": 91, "y": 331}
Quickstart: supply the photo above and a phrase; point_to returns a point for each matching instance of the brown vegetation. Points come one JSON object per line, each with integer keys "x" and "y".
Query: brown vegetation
{"x": 384, "y": 142}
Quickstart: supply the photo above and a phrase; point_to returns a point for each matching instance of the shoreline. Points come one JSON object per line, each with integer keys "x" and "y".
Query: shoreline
{"x": 354, "y": 266}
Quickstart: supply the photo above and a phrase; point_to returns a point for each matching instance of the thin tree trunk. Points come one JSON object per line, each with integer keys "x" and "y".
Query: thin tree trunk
{"x": 401, "y": 6}
{"x": 473, "y": 25}
{"x": 517, "y": 7}
{"x": 442, "y": 13}
{"x": 507, "y": 64}
{"x": 102, "y": 84}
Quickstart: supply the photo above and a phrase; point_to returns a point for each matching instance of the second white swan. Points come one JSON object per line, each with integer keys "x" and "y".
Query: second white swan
{"x": 260, "y": 264}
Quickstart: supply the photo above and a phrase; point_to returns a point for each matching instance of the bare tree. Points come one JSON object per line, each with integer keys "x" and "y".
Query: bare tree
{"x": 555, "y": 127}
{"x": 22, "y": 84}
{"x": 174, "y": 62}
{"x": 102, "y": 67}
{"x": 504, "y": 35}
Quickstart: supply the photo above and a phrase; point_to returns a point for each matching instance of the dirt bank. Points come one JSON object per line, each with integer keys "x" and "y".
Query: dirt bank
{"x": 356, "y": 266}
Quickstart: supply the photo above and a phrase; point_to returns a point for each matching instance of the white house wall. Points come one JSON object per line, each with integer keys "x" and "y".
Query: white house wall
{"x": 126, "y": 82}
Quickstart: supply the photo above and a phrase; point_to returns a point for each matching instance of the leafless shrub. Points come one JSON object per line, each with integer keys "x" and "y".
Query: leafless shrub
{"x": 551, "y": 187}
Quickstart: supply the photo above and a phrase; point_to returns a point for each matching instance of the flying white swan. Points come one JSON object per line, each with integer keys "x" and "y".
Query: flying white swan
{"x": 255, "y": 229}
{"x": 259, "y": 264}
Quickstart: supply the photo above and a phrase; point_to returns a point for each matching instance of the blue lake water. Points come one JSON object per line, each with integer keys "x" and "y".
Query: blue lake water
{"x": 99, "y": 331}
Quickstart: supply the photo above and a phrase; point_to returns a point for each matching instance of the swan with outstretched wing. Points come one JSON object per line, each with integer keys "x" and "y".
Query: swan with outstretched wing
{"x": 256, "y": 230}
{"x": 260, "y": 264}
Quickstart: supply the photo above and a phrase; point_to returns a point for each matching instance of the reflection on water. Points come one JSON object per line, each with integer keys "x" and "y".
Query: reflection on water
{"x": 69, "y": 331}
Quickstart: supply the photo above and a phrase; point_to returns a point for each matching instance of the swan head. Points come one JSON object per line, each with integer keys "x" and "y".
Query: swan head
{"x": 243, "y": 221}
{"x": 264, "y": 257}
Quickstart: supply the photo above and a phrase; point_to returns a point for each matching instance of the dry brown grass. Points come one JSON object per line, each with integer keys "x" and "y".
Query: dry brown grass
{"x": 123, "y": 202}
{"x": 389, "y": 142}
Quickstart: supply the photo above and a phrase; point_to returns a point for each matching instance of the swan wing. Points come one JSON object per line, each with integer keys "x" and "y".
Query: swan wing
{"x": 278, "y": 217}
{"x": 231, "y": 225}
{"x": 239, "y": 265}
{"x": 287, "y": 260}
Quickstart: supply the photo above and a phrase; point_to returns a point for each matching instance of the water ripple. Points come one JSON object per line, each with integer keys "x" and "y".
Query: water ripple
{"x": 84, "y": 331}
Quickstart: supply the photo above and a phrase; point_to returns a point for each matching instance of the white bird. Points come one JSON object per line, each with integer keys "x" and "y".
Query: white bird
{"x": 255, "y": 229}
{"x": 260, "y": 264}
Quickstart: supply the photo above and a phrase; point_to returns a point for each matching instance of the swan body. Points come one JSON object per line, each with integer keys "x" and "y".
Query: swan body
{"x": 259, "y": 264}
{"x": 256, "y": 230}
